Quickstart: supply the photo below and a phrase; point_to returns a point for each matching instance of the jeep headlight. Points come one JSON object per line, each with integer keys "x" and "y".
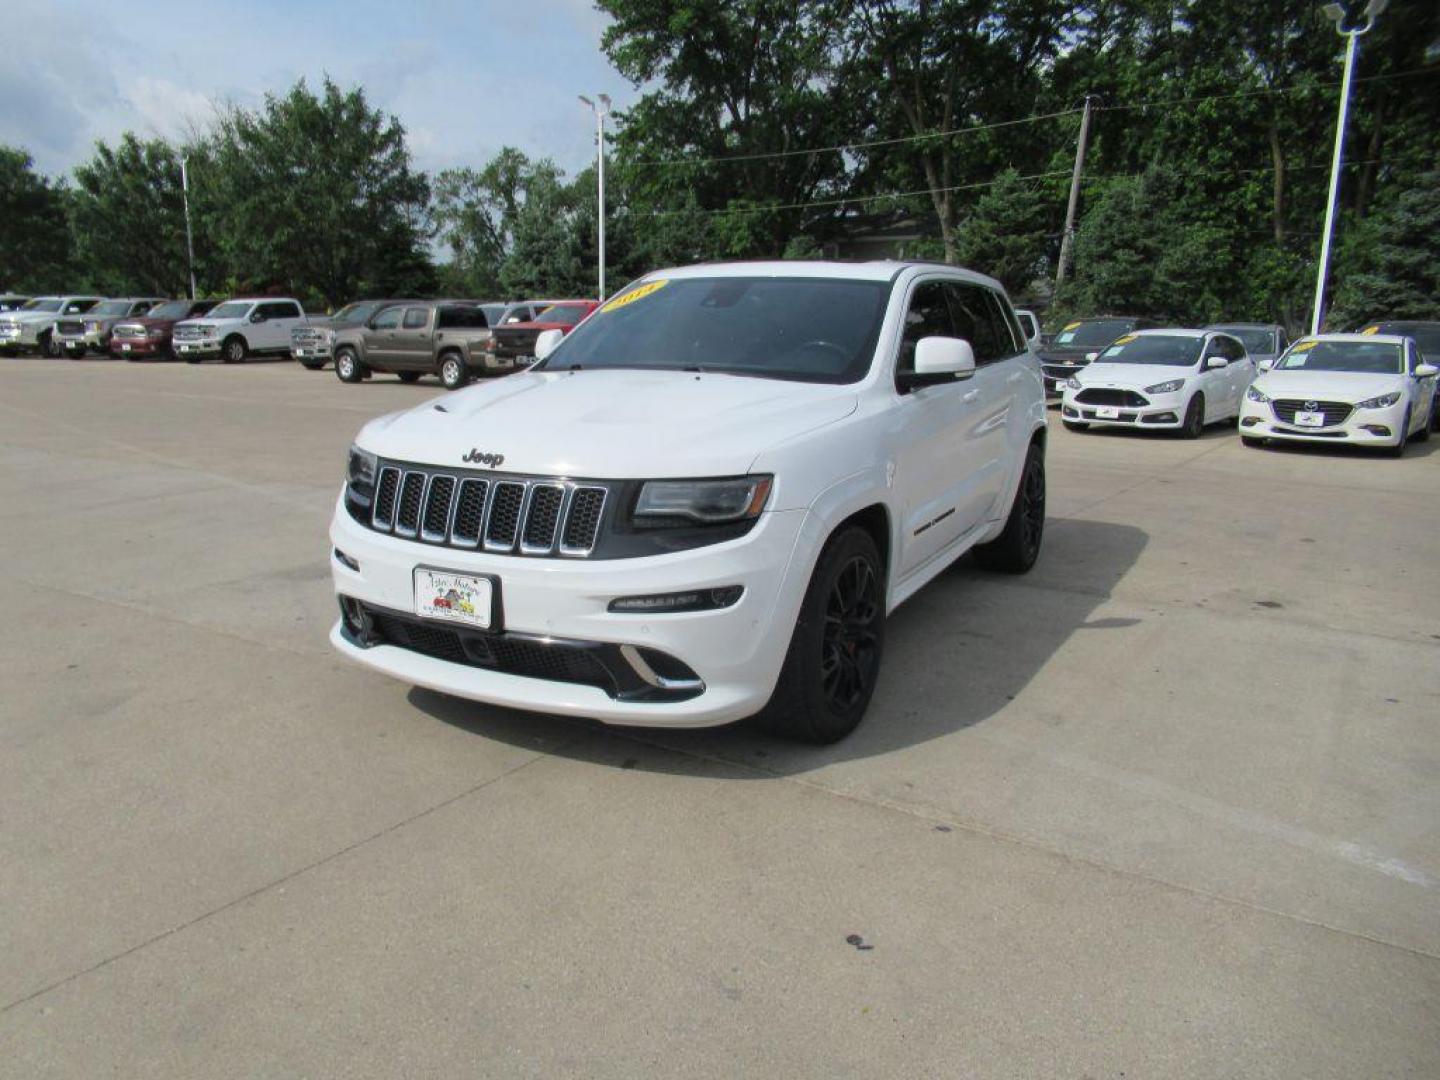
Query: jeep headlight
{"x": 360, "y": 473}
{"x": 1384, "y": 401}
{"x": 1252, "y": 394}
{"x": 702, "y": 502}
{"x": 1168, "y": 387}
{"x": 1073, "y": 383}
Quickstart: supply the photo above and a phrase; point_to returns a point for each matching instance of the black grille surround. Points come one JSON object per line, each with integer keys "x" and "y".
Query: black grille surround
{"x": 1335, "y": 412}
{"x": 1099, "y": 395}
{"x": 521, "y": 515}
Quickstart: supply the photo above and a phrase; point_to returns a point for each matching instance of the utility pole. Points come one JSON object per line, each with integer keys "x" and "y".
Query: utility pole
{"x": 1337, "y": 14}
{"x": 601, "y": 111}
{"x": 1067, "y": 240}
{"x": 189, "y": 240}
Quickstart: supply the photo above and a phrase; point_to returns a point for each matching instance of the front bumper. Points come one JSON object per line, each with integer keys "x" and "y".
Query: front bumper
{"x": 310, "y": 352}
{"x": 487, "y": 360}
{"x": 19, "y": 336}
{"x": 138, "y": 346}
{"x": 1363, "y": 427}
{"x": 88, "y": 340}
{"x": 735, "y": 651}
{"x": 1160, "y": 411}
{"x": 203, "y": 347}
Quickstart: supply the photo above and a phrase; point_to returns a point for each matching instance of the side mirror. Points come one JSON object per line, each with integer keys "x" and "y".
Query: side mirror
{"x": 257, "y": 316}
{"x": 1031, "y": 326}
{"x": 1424, "y": 371}
{"x": 939, "y": 360}
{"x": 1265, "y": 365}
{"x": 1214, "y": 362}
{"x": 546, "y": 342}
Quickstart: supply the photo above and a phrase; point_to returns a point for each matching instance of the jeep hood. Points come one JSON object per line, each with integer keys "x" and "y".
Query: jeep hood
{"x": 619, "y": 424}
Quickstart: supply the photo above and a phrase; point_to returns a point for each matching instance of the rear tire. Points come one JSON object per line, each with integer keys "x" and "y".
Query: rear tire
{"x": 348, "y": 368}
{"x": 1017, "y": 548}
{"x": 453, "y": 374}
{"x": 1194, "y": 425}
{"x": 834, "y": 656}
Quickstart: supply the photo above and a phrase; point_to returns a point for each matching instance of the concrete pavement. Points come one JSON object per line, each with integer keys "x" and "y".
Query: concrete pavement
{"x": 1168, "y": 806}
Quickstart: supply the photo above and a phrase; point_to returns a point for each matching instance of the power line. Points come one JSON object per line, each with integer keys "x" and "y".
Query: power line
{"x": 858, "y": 145}
{"x": 1187, "y": 102}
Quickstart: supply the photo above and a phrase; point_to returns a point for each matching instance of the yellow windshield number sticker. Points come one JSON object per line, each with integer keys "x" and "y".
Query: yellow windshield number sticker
{"x": 1124, "y": 340}
{"x": 1304, "y": 346}
{"x": 1071, "y": 326}
{"x": 1371, "y": 330}
{"x": 637, "y": 293}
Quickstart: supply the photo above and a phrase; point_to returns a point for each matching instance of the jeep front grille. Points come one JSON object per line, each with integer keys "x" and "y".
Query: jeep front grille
{"x": 501, "y": 514}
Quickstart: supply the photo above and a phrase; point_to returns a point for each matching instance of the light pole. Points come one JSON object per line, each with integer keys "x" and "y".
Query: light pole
{"x": 601, "y": 111}
{"x": 1352, "y": 32}
{"x": 189, "y": 240}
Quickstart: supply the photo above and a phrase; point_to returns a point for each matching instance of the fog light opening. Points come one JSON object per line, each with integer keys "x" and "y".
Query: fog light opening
{"x": 1250, "y": 421}
{"x": 1379, "y": 429}
{"x": 355, "y": 620}
{"x": 668, "y": 603}
{"x": 345, "y": 560}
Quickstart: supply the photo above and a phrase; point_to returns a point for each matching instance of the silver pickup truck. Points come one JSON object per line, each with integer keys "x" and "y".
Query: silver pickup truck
{"x": 448, "y": 338}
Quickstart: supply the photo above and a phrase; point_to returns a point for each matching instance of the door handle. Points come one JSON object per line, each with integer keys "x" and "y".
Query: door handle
{"x": 971, "y": 396}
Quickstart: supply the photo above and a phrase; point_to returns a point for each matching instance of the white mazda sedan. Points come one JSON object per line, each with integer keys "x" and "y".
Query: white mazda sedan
{"x": 1367, "y": 390}
{"x": 1180, "y": 380}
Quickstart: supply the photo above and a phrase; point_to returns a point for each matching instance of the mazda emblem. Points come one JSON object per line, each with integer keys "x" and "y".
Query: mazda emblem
{"x": 1312, "y": 406}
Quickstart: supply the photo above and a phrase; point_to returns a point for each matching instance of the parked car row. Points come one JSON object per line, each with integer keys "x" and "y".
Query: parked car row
{"x": 1366, "y": 389}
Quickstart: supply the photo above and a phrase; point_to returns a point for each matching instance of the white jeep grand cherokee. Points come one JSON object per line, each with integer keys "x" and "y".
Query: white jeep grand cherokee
{"x": 702, "y": 504}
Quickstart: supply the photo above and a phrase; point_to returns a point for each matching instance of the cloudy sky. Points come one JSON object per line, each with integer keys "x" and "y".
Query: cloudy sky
{"x": 465, "y": 78}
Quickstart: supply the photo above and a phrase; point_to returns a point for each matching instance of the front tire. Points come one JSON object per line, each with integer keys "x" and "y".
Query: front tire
{"x": 833, "y": 661}
{"x": 45, "y": 342}
{"x": 1017, "y": 548}
{"x": 1398, "y": 450}
{"x": 347, "y": 366}
{"x": 1194, "y": 425}
{"x": 74, "y": 353}
{"x": 234, "y": 351}
{"x": 452, "y": 371}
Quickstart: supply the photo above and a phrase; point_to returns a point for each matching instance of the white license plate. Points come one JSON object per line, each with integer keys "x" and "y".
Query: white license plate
{"x": 1310, "y": 419}
{"x": 186, "y": 348}
{"x": 459, "y": 598}
{"x": 1107, "y": 412}
{"x": 124, "y": 348}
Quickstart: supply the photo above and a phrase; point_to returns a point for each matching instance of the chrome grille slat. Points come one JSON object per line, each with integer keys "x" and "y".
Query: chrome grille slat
{"x": 534, "y": 516}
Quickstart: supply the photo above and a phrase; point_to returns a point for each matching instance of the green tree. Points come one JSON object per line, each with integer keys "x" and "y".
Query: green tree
{"x": 317, "y": 192}
{"x": 34, "y": 234}
{"x": 1389, "y": 266}
{"x": 128, "y": 217}
{"x": 1008, "y": 234}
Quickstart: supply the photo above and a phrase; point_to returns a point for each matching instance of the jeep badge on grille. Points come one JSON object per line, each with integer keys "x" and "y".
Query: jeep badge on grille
{"x": 476, "y": 457}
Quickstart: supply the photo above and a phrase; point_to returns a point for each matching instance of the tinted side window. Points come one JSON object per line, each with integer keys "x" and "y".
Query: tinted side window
{"x": 462, "y": 318}
{"x": 928, "y": 316}
{"x": 388, "y": 319}
{"x": 416, "y": 318}
{"x": 978, "y": 321}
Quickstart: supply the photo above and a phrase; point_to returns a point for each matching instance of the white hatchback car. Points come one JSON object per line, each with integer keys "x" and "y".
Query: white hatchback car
{"x": 1178, "y": 380}
{"x": 703, "y": 503}
{"x": 1362, "y": 389}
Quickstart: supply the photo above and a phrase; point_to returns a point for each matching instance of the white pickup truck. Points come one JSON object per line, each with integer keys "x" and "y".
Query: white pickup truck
{"x": 239, "y": 328}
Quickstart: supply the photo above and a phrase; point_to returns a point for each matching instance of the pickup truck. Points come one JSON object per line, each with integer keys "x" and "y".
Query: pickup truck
{"x": 80, "y": 334}
{"x": 32, "y": 326}
{"x": 311, "y": 345}
{"x": 448, "y": 338}
{"x": 515, "y": 341}
{"x": 149, "y": 335}
{"x": 240, "y": 328}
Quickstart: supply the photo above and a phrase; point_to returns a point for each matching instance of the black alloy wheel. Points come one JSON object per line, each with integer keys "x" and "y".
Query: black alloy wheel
{"x": 1017, "y": 548}
{"x": 833, "y": 661}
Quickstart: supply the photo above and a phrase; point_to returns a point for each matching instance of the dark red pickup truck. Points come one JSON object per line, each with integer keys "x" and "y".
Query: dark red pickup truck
{"x": 515, "y": 343}
{"x": 150, "y": 334}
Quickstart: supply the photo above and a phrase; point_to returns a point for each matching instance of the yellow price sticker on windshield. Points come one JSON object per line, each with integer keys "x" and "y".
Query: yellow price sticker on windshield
{"x": 1124, "y": 340}
{"x": 637, "y": 293}
{"x": 1070, "y": 326}
{"x": 1304, "y": 346}
{"x": 1371, "y": 330}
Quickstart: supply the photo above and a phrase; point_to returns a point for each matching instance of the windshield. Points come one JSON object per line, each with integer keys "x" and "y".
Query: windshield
{"x": 801, "y": 329}
{"x": 1368, "y": 357}
{"x": 42, "y": 305}
{"x": 231, "y": 309}
{"x": 1255, "y": 341}
{"x": 1092, "y": 332}
{"x": 358, "y": 312}
{"x": 1157, "y": 350}
{"x": 111, "y": 307}
{"x": 561, "y": 316}
{"x": 175, "y": 309}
